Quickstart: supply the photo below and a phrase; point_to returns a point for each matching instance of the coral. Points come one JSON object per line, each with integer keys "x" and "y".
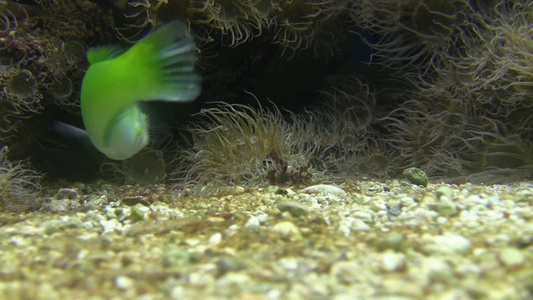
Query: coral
{"x": 241, "y": 145}
{"x": 19, "y": 186}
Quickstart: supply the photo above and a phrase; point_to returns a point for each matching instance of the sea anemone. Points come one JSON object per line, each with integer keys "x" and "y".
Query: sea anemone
{"x": 11, "y": 13}
{"x": 152, "y": 165}
{"x": 19, "y": 186}
{"x": 495, "y": 156}
{"x": 423, "y": 135}
{"x": 412, "y": 33}
{"x": 242, "y": 145}
{"x": 298, "y": 23}
{"x": 376, "y": 158}
{"x": 344, "y": 118}
{"x": 140, "y": 18}
{"x": 499, "y": 56}
{"x": 236, "y": 21}
{"x": 19, "y": 98}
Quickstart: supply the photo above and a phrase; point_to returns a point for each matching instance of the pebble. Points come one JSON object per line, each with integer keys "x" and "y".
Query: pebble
{"x": 378, "y": 205}
{"x": 228, "y": 264}
{"x": 294, "y": 208}
{"x": 447, "y": 244}
{"x": 407, "y": 201}
{"x": 393, "y": 262}
{"x": 366, "y": 217}
{"x": 324, "y": 189}
{"x": 252, "y": 223}
{"x": 512, "y": 257}
{"x": 446, "y": 208}
{"x": 136, "y": 214}
{"x": 112, "y": 225}
{"x": 444, "y": 191}
{"x": 394, "y": 241}
{"x": 395, "y": 208}
{"x": 357, "y": 224}
{"x": 285, "y": 228}
{"x": 215, "y": 239}
{"x": 124, "y": 283}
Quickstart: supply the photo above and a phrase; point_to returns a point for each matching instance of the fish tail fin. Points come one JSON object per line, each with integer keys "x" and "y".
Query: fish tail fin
{"x": 169, "y": 57}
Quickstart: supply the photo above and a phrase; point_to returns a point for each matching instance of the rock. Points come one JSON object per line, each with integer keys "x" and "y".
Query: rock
{"x": 61, "y": 205}
{"x": 68, "y": 194}
{"x": 416, "y": 176}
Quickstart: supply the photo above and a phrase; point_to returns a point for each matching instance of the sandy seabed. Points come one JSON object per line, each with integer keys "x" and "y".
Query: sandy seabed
{"x": 356, "y": 240}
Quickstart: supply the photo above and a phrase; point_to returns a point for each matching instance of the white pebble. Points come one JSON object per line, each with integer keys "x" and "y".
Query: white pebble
{"x": 253, "y": 222}
{"x": 393, "y": 261}
{"x": 215, "y": 239}
{"x": 124, "y": 283}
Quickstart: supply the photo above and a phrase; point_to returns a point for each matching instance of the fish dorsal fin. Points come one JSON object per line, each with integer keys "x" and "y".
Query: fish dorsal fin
{"x": 102, "y": 53}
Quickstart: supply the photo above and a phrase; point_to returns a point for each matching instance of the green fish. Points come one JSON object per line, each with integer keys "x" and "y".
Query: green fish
{"x": 158, "y": 67}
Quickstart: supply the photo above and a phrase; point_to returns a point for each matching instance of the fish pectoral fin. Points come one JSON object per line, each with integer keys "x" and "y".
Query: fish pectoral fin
{"x": 112, "y": 127}
{"x": 126, "y": 125}
{"x": 103, "y": 53}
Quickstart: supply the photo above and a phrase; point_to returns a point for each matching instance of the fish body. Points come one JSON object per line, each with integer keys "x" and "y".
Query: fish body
{"x": 158, "y": 67}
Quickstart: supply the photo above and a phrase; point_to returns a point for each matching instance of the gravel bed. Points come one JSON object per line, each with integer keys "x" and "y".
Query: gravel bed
{"x": 351, "y": 240}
